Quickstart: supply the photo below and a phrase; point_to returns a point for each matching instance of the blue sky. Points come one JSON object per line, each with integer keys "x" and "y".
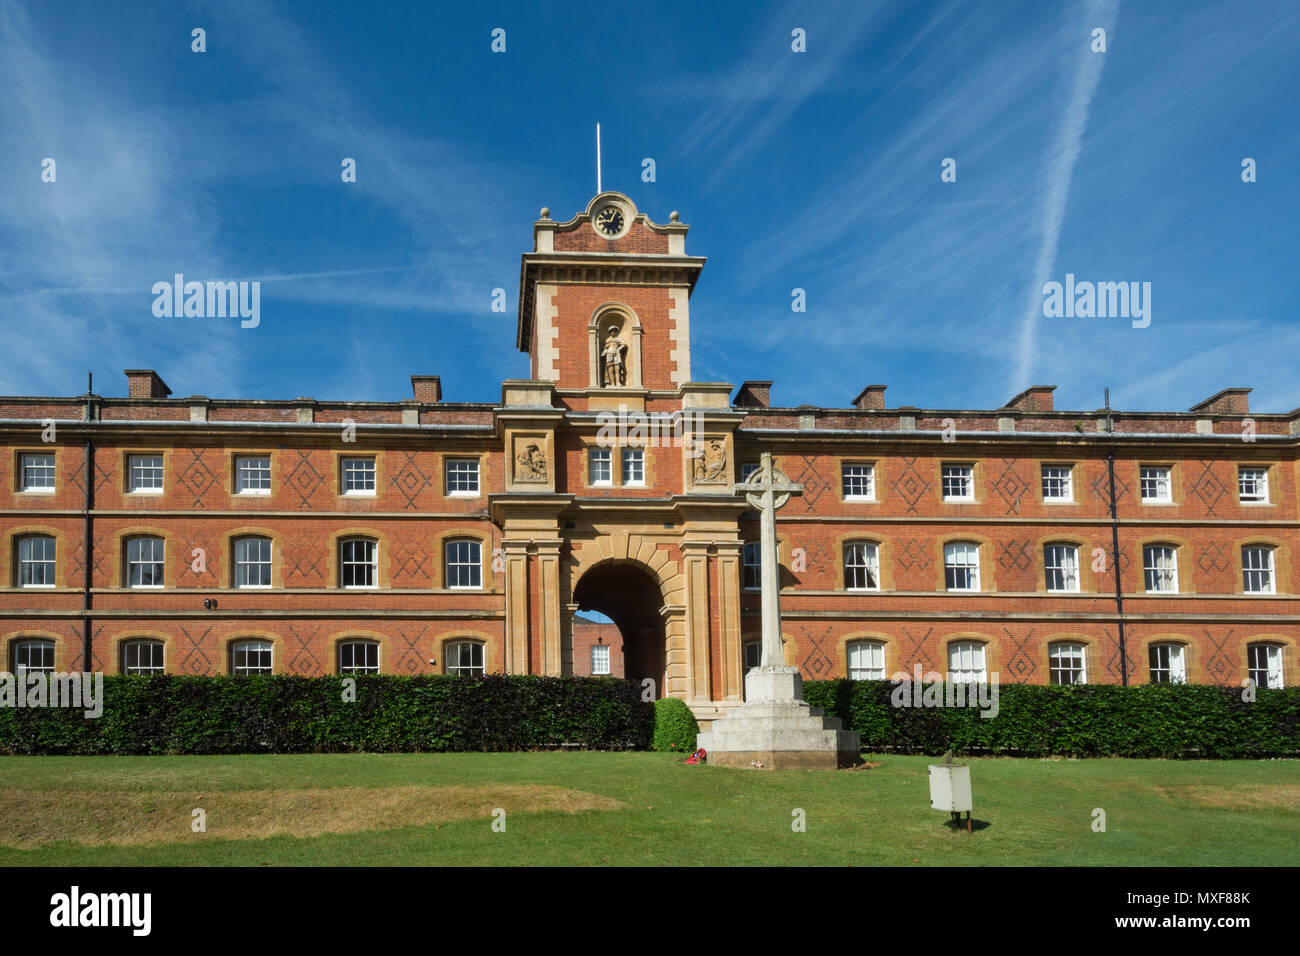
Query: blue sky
{"x": 816, "y": 170}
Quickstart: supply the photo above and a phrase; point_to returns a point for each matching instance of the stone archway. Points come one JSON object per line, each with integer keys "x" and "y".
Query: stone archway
{"x": 629, "y": 595}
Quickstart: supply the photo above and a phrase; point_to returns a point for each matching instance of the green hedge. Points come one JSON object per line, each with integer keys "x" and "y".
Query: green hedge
{"x": 675, "y": 726}
{"x": 166, "y": 714}
{"x": 1092, "y": 720}
{"x": 211, "y": 715}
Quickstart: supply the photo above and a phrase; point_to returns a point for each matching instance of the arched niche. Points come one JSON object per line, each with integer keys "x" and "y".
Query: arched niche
{"x": 626, "y": 326}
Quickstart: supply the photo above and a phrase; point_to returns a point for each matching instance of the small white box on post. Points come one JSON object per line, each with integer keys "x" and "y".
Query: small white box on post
{"x": 950, "y": 790}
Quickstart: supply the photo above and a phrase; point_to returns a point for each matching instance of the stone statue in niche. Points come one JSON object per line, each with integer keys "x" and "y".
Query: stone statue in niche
{"x": 710, "y": 462}
{"x": 612, "y": 358}
{"x": 530, "y": 464}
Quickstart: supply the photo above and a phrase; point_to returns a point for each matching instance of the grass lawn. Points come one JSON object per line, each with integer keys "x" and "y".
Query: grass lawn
{"x": 635, "y": 808}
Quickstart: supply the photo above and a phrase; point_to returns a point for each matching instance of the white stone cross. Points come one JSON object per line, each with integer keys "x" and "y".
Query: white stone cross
{"x": 767, "y": 490}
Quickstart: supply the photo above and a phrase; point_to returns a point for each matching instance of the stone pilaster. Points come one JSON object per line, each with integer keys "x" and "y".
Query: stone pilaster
{"x": 516, "y": 606}
{"x": 695, "y": 566}
{"x": 549, "y": 614}
{"x": 729, "y": 554}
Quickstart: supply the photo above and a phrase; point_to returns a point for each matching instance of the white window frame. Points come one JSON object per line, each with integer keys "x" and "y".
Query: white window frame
{"x": 28, "y": 644}
{"x": 463, "y": 471}
{"x": 359, "y": 476}
{"x": 455, "y": 652}
{"x": 1159, "y": 480}
{"x": 751, "y": 559}
{"x": 1262, "y": 573}
{"x": 251, "y": 645}
{"x": 600, "y": 665}
{"x": 372, "y": 563}
{"x": 957, "y": 472}
{"x": 158, "y": 557}
{"x": 137, "y": 645}
{"x": 866, "y": 660}
{"x": 634, "y": 463}
{"x": 1054, "y": 480}
{"x": 1258, "y": 481}
{"x": 858, "y": 481}
{"x": 240, "y": 563}
{"x": 1152, "y": 572}
{"x": 962, "y": 556}
{"x": 1270, "y": 668}
{"x": 862, "y": 560}
{"x": 600, "y": 467}
{"x": 967, "y": 662}
{"x": 1167, "y": 659}
{"x": 249, "y": 474}
{"x": 47, "y": 562}
{"x": 747, "y": 469}
{"x": 466, "y": 556}
{"x": 32, "y": 466}
{"x": 1062, "y": 551}
{"x": 1067, "y": 658}
{"x": 144, "y": 474}
{"x": 369, "y": 647}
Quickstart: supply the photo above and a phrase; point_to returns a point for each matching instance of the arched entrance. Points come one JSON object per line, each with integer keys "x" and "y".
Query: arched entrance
{"x": 629, "y": 596}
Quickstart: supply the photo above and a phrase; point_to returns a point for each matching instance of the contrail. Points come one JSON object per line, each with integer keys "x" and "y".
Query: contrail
{"x": 1062, "y": 155}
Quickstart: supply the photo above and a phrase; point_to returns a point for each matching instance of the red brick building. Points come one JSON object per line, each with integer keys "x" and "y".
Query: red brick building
{"x": 210, "y": 536}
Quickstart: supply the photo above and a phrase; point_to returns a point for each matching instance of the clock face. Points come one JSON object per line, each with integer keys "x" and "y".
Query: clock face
{"x": 609, "y": 221}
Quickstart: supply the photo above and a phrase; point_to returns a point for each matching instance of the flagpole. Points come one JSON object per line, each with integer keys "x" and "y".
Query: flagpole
{"x": 598, "y": 189}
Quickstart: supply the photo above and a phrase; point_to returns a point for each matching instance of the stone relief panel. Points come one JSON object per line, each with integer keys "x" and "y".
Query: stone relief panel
{"x": 530, "y": 460}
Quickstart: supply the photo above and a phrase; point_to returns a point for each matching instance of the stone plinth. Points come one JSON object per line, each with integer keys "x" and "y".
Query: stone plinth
{"x": 776, "y": 728}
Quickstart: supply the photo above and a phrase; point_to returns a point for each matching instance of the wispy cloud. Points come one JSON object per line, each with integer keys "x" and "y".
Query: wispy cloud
{"x": 751, "y": 100}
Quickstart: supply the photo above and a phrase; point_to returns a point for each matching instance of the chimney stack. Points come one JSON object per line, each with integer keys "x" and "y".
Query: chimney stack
{"x": 754, "y": 394}
{"x": 427, "y": 388}
{"x": 145, "y": 383}
{"x": 1036, "y": 398}
{"x": 871, "y": 398}
{"x": 1230, "y": 401}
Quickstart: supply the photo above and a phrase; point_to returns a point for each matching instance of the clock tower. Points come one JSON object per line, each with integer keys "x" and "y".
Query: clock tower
{"x": 604, "y": 306}
{"x": 620, "y": 470}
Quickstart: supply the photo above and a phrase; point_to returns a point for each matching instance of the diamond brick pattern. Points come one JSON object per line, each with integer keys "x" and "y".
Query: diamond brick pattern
{"x": 1214, "y": 557}
{"x": 410, "y": 480}
{"x": 1206, "y": 487}
{"x": 817, "y": 661}
{"x": 910, "y": 485}
{"x": 913, "y": 553}
{"x": 194, "y": 476}
{"x": 1011, "y": 485}
{"x": 1018, "y": 655}
{"x": 302, "y": 477}
{"x": 815, "y": 484}
{"x": 1016, "y": 556}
